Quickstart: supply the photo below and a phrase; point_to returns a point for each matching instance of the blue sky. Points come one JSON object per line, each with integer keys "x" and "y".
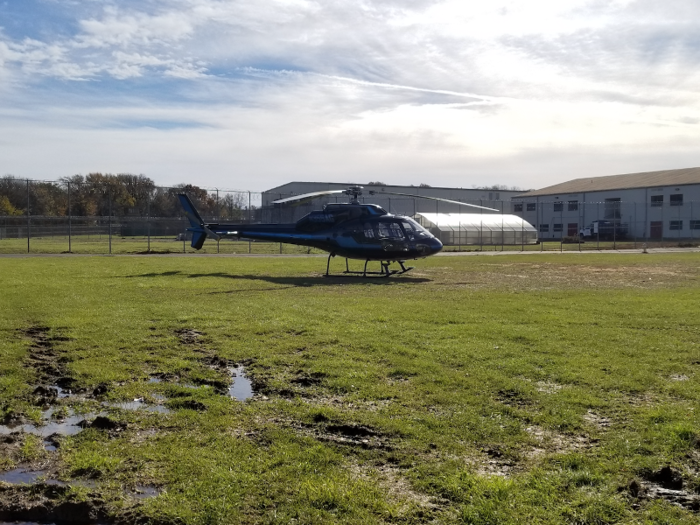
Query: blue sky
{"x": 248, "y": 95}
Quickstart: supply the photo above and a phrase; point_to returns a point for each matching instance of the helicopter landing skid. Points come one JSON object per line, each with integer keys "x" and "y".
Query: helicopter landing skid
{"x": 385, "y": 272}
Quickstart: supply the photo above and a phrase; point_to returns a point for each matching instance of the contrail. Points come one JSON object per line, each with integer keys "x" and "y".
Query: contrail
{"x": 385, "y": 85}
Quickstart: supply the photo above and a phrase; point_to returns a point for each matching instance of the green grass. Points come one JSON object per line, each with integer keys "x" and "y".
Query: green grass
{"x": 100, "y": 245}
{"x": 510, "y": 389}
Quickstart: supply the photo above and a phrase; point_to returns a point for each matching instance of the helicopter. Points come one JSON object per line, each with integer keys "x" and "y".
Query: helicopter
{"x": 352, "y": 230}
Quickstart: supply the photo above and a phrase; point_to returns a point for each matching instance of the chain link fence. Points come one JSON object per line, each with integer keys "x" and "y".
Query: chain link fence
{"x": 113, "y": 215}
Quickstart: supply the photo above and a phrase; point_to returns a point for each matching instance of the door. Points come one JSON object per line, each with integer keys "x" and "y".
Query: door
{"x": 656, "y": 229}
{"x": 572, "y": 229}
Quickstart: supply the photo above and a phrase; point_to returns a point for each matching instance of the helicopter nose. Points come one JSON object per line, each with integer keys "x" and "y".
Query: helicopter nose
{"x": 436, "y": 245}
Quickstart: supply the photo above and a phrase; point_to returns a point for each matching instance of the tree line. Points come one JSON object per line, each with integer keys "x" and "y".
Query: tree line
{"x": 100, "y": 194}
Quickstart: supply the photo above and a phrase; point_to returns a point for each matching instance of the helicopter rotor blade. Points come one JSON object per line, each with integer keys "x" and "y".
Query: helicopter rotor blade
{"x": 433, "y": 199}
{"x": 296, "y": 200}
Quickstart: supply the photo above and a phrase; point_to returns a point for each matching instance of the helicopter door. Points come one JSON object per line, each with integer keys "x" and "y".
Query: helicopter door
{"x": 391, "y": 236}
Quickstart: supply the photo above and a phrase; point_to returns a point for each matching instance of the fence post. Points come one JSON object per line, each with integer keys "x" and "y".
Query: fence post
{"x": 503, "y": 233}
{"x": 635, "y": 225}
{"x": 148, "y": 220}
{"x": 70, "y": 224}
{"x": 109, "y": 199}
{"x": 250, "y": 221}
{"x": 481, "y": 226}
{"x": 597, "y": 235}
{"x": 28, "y": 216}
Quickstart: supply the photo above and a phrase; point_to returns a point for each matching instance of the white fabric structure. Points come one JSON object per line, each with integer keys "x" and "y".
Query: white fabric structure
{"x": 478, "y": 228}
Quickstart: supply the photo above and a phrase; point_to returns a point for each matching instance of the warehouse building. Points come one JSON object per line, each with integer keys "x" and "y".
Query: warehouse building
{"x": 451, "y": 223}
{"x": 651, "y": 205}
{"x": 399, "y": 205}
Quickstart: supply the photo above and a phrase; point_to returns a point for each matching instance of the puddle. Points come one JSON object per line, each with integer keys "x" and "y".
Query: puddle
{"x": 62, "y": 392}
{"x": 139, "y": 404}
{"x": 67, "y": 426}
{"x": 21, "y": 476}
{"x": 145, "y": 492}
{"x": 241, "y": 387}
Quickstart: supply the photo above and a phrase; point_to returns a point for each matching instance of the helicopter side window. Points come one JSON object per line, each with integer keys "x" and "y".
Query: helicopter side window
{"x": 369, "y": 231}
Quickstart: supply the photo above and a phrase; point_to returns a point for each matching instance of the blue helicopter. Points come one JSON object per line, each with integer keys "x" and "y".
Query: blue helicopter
{"x": 352, "y": 230}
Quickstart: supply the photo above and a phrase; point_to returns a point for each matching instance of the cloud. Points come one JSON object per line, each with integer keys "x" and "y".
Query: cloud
{"x": 303, "y": 88}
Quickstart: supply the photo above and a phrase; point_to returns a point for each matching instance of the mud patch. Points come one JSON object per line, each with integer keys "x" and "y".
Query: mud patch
{"x": 49, "y": 504}
{"x": 598, "y": 421}
{"x": 352, "y": 435}
{"x": 189, "y": 337}
{"x": 547, "y": 387}
{"x": 495, "y": 462}
{"x": 548, "y": 442}
{"x": 399, "y": 490}
{"x": 513, "y": 398}
{"x": 48, "y": 363}
{"x": 308, "y": 380}
{"x": 666, "y": 484}
{"x": 342, "y": 434}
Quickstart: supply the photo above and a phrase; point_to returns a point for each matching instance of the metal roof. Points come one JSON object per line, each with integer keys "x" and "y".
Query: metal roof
{"x": 647, "y": 179}
{"x": 475, "y": 221}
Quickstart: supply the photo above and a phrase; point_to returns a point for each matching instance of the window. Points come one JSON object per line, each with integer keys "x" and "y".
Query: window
{"x": 612, "y": 209}
{"x": 695, "y": 225}
{"x": 558, "y": 206}
{"x": 544, "y": 228}
{"x": 657, "y": 201}
{"x": 389, "y": 230}
{"x": 676, "y": 200}
{"x": 573, "y": 205}
{"x": 531, "y": 206}
{"x": 675, "y": 225}
{"x": 557, "y": 228}
{"x": 517, "y": 207}
{"x": 414, "y": 231}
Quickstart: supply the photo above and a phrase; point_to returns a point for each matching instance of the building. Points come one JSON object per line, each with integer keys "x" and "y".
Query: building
{"x": 498, "y": 199}
{"x": 478, "y": 228}
{"x": 650, "y": 205}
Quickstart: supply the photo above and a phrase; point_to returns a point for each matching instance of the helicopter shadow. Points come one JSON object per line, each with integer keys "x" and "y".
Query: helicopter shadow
{"x": 292, "y": 282}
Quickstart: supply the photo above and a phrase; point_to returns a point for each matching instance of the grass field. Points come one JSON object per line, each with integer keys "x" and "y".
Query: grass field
{"x": 100, "y": 245}
{"x": 555, "y": 388}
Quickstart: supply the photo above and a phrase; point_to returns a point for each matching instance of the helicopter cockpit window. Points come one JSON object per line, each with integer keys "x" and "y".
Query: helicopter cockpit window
{"x": 389, "y": 230}
{"x": 413, "y": 229}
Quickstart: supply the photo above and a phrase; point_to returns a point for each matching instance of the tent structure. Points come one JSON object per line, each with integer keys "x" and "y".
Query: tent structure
{"x": 478, "y": 228}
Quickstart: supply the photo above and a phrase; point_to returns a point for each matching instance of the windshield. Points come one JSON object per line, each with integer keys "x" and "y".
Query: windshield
{"x": 413, "y": 229}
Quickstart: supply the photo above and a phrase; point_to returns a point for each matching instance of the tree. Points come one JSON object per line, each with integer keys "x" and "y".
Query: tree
{"x": 6, "y": 207}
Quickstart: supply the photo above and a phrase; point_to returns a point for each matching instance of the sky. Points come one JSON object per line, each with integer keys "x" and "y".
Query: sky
{"x": 252, "y": 94}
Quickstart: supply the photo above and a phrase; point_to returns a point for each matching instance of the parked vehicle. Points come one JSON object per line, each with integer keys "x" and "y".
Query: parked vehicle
{"x": 604, "y": 230}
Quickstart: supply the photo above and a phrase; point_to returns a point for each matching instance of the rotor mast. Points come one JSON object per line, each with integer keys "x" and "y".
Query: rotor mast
{"x": 354, "y": 193}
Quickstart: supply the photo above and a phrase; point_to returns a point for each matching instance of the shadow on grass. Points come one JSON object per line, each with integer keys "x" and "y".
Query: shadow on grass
{"x": 306, "y": 281}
